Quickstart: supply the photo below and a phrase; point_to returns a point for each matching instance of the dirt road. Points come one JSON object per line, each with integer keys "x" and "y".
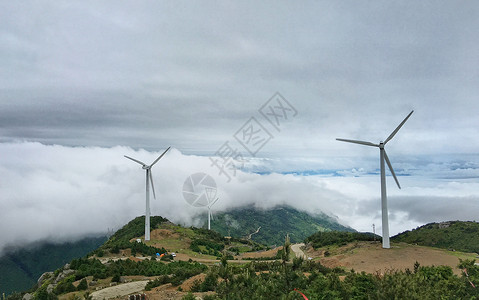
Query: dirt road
{"x": 119, "y": 290}
{"x": 297, "y": 250}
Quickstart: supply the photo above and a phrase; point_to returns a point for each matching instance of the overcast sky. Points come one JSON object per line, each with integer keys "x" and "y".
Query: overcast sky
{"x": 84, "y": 83}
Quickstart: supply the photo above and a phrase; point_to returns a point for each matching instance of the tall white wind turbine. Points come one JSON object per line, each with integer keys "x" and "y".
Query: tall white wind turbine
{"x": 383, "y": 157}
{"x": 210, "y": 215}
{"x": 149, "y": 178}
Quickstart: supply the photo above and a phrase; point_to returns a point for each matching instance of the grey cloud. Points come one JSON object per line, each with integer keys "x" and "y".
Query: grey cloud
{"x": 330, "y": 58}
{"x": 434, "y": 208}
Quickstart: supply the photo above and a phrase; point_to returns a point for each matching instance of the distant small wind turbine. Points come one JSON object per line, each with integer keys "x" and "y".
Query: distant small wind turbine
{"x": 383, "y": 157}
{"x": 210, "y": 215}
{"x": 149, "y": 178}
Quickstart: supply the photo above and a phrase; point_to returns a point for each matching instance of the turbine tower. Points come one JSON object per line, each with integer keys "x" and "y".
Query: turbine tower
{"x": 149, "y": 178}
{"x": 383, "y": 157}
{"x": 210, "y": 215}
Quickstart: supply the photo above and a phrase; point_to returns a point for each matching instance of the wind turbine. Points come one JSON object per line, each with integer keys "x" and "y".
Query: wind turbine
{"x": 383, "y": 157}
{"x": 210, "y": 215}
{"x": 149, "y": 178}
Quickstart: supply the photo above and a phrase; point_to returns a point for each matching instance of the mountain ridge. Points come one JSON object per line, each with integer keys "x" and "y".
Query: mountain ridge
{"x": 274, "y": 223}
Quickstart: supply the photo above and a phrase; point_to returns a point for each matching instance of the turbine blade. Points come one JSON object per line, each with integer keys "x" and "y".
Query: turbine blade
{"x": 358, "y": 142}
{"x": 214, "y": 202}
{"x": 152, "y": 186}
{"x": 391, "y": 168}
{"x": 135, "y": 160}
{"x": 159, "y": 157}
{"x": 397, "y": 129}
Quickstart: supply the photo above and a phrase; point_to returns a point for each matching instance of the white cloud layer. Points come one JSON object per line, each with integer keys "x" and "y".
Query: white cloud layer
{"x": 62, "y": 193}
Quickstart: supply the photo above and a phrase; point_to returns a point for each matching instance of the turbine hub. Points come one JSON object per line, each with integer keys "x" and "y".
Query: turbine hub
{"x": 145, "y": 167}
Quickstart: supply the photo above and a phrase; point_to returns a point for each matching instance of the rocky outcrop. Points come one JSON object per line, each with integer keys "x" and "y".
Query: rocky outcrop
{"x": 27, "y": 296}
{"x": 53, "y": 280}
{"x": 63, "y": 274}
{"x": 45, "y": 276}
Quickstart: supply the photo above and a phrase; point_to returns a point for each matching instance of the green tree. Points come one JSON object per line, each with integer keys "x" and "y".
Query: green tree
{"x": 116, "y": 278}
{"x": 189, "y": 296}
{"x": 83, "y": 285}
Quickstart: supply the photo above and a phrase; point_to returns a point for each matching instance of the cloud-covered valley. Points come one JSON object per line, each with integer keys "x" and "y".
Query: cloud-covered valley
{"x": 59, "y": 193}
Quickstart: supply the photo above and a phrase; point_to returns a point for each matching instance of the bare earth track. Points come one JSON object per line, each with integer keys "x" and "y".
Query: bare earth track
{"x": 120, "y": 290}
{"x": 296, "y": 248}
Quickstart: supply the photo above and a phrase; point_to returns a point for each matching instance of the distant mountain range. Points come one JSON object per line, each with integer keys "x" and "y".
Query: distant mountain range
{"x": 20, "y": 269}
{"x": 273, "y": 224}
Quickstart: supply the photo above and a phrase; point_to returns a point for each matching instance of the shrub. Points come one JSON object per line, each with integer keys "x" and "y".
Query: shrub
{"x": 83, "y": 285}
{"x": 65, "y": 286}
{"x": 116, "y": 278}
{"x": 189, "y": 296}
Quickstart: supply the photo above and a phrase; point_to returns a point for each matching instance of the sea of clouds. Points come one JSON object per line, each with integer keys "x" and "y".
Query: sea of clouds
{"x": 59, "y": 193}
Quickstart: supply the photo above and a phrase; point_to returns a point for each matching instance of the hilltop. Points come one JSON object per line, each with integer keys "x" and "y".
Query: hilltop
{"x": 370, "y": 257}
{"x": 167, "y": 237}
{"x": 453, "y": 235}
{"x": 273, "y": 224}
{"x": 363, "y": 251}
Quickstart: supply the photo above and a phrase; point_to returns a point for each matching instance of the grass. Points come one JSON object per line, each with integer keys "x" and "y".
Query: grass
{"x": 458, "y": 254}
{"x": 187, "y": 232}
{"x": 462, "y": 255}
{"x": 243, "y": 249}
{"x": 172, "y": 245}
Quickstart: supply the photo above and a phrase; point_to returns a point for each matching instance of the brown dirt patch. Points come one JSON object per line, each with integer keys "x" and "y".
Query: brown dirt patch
{"x": 161, "y": 234}
{"x": 370, "y": 257}
{"x": 135, "y": 258}
{"x": 169, "y": 292}
{"x": 259, "y": 254}
{"x": 188, "y": 283}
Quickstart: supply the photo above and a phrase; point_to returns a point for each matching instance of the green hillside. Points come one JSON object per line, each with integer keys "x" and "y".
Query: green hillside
{"x": 275, "y": 224}
{"x": 190, "y": 239}
{"x": 20, "y": 269}
{"x": 134, "y": 229}
{"x": 321, "y": 239}
{"x": 457, "y": 235}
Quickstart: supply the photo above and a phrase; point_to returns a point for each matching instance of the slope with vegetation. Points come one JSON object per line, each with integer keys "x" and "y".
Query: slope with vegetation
{"x": 274, "y": 224}
{"x": 125, "y": 238}
{"x": 454, "y": 235}
{"x": 21, "y": 268}
{"x": 284, "y": 280}
{"x": 337, "y": 238}
{"x": 169, "y": 237}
